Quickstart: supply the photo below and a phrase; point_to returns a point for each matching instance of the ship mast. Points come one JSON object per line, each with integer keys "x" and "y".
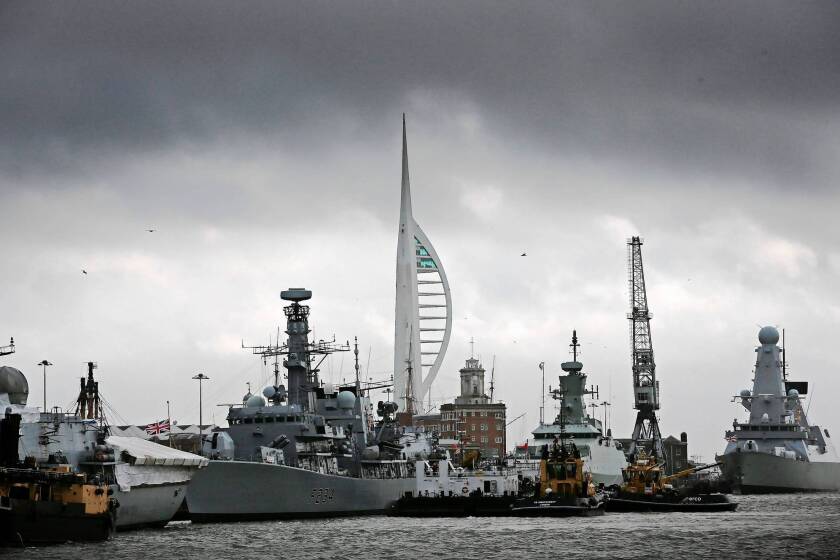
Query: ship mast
{"x": 89, "y": 403}
{"x": 645, "y": 386}
{"x": 10, "y": 349}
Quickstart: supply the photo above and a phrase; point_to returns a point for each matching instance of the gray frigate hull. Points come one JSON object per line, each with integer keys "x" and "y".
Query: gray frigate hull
{"x": 755, "y": 473}
{"x": 230, "y": 490}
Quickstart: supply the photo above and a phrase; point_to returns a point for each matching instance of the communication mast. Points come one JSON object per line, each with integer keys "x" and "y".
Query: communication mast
{"x": 89, "y": 403}
{"x": 645, "y": 386}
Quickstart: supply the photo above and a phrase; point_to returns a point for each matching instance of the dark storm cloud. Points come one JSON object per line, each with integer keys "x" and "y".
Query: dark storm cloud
{"x": 744, "y": 87}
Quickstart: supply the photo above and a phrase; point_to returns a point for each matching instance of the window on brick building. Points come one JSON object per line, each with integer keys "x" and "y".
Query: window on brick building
{"x": 484, "y": 439}
{"x": 498, "y": 440}
{"x": 472, "y": 427}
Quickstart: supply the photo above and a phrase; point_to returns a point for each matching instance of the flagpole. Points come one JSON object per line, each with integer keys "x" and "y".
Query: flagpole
{"x": 169, "y": 421}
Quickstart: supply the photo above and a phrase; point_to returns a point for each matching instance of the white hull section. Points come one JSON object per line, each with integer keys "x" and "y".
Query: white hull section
{"x": 144, "y": 506}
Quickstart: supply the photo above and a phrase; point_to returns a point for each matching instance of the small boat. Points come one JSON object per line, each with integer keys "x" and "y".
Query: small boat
{"x": 564, "y": 488}
{"x": 647, "y": 488}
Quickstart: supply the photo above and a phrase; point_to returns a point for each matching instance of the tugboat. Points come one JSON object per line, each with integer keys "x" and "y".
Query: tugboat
{"x": 564, "y": 488}
{"x": 45, "y": 506}
{"x": 647, "y": 488}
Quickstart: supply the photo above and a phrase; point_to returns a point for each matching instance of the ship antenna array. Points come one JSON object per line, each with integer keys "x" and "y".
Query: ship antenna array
{"x": 645, "y": 385}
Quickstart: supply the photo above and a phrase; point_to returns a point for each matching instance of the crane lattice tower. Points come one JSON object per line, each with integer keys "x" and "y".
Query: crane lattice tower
{"x": 645, "y": 386}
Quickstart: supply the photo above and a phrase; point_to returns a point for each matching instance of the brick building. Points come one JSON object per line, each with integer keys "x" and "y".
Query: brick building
{"x": 473, "y": 419}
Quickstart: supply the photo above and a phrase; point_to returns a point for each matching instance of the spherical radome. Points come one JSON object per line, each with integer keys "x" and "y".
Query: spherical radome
{"x": 269, "y": 392}
{"x": 768, "y": 335}
{"x": 346, "y": 400}
{"x": 13, "y": 382}
{"x": 255, "y": 400}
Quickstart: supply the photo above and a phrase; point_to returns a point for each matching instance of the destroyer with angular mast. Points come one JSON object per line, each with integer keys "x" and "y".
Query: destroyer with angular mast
{"x": 777, "y": 449}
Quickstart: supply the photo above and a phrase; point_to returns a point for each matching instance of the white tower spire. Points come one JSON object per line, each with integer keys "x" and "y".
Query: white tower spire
{"x": 423, "y": 313}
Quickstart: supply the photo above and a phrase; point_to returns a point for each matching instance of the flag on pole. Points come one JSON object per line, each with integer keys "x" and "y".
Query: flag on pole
{"x": 522, "y": 447}
{"x": 157, "y": 428}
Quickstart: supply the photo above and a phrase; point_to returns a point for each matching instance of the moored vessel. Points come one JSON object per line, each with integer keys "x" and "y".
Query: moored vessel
{"x": 311, "y": 450}
{"x": 48, "y": 505}
{"x": 646, "y": 487}
{"x": 564, "y": 487}
{"x": 602, "y": 455}
{"x": 777, "y": 449}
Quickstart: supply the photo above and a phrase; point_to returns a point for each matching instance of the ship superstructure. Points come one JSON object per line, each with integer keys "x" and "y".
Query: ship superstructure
{"x": 602, "y": 455}
{"x": 777, "y": 449}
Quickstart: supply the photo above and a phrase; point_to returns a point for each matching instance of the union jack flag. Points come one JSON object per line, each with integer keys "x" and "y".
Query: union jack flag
{"x": 731, "y": 439}
{"x": 156, "y": 428}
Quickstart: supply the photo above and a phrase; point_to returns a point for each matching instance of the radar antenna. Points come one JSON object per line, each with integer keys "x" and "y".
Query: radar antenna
{"x": 10, "y": 349}
{"x": 645, "y": 386}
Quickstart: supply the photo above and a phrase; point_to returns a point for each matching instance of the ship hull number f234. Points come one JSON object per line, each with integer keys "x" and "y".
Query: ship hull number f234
{"x": 323, "y": 495}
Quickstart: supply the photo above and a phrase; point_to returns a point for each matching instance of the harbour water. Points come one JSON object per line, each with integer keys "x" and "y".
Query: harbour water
{"x": 764, "y": 526}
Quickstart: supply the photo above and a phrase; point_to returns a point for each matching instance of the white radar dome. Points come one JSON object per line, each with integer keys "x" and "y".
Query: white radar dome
{"x": 768, "y": 335}
{"x": 346, "y": 400}
{"x": 793, "y": 393}
{"x": 255, "y": 400}
{"x": 269, "y": 392}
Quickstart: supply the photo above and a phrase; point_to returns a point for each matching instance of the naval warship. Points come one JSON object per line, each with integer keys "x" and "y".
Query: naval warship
{"x": 307, "y": 450}
{"x": 777, "y": 449}
{"x": 602, "y": 455}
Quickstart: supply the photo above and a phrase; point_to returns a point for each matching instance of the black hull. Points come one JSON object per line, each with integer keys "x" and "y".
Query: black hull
{"x": 559, "y": 508}
{"x": 31, "y": 523}
{"x": 702, "y": 503}
{"x": 453, "y": 506}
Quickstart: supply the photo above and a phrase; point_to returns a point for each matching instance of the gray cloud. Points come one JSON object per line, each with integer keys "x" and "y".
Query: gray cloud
{"x": 747, "y": 86}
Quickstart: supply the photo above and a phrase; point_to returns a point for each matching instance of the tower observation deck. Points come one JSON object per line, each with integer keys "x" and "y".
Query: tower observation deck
{"x": 423, "y": 314}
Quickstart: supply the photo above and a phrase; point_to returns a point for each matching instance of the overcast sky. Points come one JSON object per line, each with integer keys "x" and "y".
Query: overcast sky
{"x": 261, "y": 141}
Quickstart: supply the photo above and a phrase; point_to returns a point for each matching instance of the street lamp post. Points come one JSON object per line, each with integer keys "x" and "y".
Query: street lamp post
{"x": 45, "y": 363}
{"x": 201, "y": 377}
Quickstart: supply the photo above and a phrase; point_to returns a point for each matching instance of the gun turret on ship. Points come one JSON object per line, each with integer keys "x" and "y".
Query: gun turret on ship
{"x": 307, "y": 450}
{"x": 777, "y": 449}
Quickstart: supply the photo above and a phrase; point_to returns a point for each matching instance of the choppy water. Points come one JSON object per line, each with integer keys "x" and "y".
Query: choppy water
{"x": 777, "y": 526}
